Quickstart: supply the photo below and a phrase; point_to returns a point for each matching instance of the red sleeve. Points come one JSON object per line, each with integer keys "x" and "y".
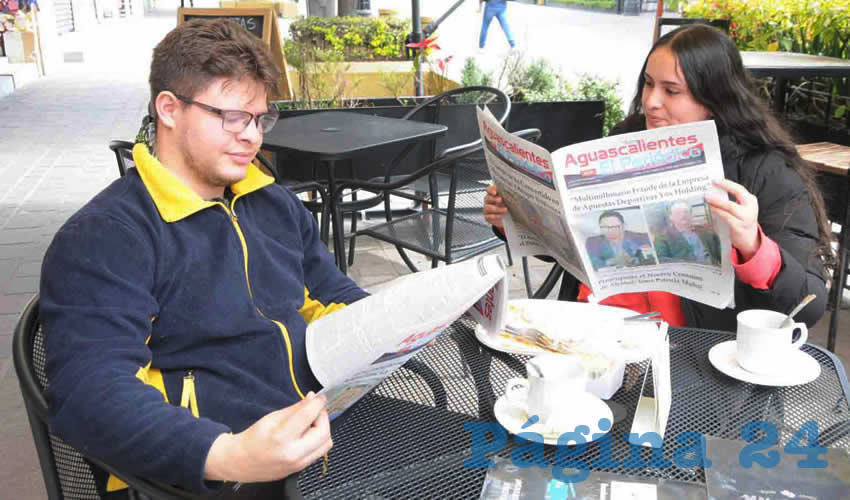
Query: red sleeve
{"x": 669, "y": 305}
{"x": 760, "y": 271}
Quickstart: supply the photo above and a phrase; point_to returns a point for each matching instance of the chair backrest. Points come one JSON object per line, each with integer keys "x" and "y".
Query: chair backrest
{"x": 721, "y": 24}
{"x": 123, "y": 155}
{"x": 473, "y": 177}
{"x": 456, "y": 108}
{"x": 67, "y": 474}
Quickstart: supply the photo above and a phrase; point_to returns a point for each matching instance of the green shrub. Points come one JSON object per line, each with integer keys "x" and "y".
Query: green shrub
{"x": 593, "y": 88}
{"x": 472, "y": 75}
{"x": 819, "y": 27}
{"x": 321, "y": 78}
{"x": 538, "y": 79}
{"x": 355, "y": 38}
{"x": 539, "y": 82}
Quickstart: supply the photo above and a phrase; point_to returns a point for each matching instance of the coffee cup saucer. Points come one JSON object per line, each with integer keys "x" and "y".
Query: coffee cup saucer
{"x": 589, "y": 411}
{"x": 798, "y": 368}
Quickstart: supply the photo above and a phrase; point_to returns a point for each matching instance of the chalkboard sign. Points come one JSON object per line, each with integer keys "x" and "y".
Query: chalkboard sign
{"x": 253, "y": 24}
{"x": 261, "y": 22}
{"x": 256, "y": 21}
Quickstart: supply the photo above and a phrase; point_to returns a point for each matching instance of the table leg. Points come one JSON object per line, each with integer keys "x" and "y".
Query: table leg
{"x": 779, "y": 96}
{"x": 336, "y": 221}
{"x": 840, "y": 273}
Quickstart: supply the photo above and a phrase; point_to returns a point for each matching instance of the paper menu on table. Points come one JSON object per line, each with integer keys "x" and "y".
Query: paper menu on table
{"x": 621, "y": 490}
{"x": 653, "y": 411}
{"x": 505, "y": 481}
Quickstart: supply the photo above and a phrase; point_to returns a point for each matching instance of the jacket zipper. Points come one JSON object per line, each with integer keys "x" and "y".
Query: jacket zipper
{"x": 189, "y": 399}
{"x": 234, "y": 219}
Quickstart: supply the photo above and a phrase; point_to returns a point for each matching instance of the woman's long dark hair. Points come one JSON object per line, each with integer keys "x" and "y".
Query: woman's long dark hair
{"x": 717, "y": 79}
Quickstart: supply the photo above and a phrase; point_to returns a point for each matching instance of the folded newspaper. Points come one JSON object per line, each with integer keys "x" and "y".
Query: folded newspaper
{"x": 622, "y": 214}
{"x": 354, "y": 349}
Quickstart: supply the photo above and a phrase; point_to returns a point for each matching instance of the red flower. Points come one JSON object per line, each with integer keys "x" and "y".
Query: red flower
{"x": 426, "y": 44}
{"x": 443, "y": 64}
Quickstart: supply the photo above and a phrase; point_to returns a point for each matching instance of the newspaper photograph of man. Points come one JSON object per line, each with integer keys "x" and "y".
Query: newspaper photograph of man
{"x": 622, "y": 239}
{"x": 682, "y": 231}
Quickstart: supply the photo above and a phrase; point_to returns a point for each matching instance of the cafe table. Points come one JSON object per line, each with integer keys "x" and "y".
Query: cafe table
{"x": 406, "y": 439}
{"x": 832, "y": 162}
{"x": 785, "y": 65}
{"x": 334, "y": 136}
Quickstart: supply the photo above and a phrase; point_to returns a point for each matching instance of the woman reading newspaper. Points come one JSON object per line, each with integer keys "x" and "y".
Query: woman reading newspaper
{"x": 779, "y": 231}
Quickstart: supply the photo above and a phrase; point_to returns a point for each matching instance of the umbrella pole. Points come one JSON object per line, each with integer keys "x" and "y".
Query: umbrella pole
{"x": 659, "y": 11}
{"x": 416, "y": 21}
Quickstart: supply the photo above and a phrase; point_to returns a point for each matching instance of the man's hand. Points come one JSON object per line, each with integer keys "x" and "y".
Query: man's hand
{"x": 277, "y": 445}
{"x": 494, "y": 207}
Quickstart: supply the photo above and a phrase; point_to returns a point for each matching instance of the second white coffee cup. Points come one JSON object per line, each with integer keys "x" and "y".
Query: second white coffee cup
{"x": 764, "y": 347}
{"x": 553, "y": 381}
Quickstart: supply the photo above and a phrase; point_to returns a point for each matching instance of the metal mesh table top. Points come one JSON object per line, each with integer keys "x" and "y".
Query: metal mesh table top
{"x": 406, "y": 439}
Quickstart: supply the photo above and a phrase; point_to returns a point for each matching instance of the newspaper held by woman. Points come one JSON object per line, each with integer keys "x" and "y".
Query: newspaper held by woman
{"x": 622, "y": 214}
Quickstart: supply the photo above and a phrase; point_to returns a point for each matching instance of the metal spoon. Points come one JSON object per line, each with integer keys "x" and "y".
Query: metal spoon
{"x": 800, "y": 306}
{"x": 531, "y": 364}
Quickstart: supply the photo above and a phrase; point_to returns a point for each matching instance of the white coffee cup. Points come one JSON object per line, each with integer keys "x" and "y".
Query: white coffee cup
{"x": 762, "y": 346}
{"x": 553, "y": 381}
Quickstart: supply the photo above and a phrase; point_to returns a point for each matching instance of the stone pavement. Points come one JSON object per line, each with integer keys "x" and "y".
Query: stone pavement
{"x": 54, "y": 157}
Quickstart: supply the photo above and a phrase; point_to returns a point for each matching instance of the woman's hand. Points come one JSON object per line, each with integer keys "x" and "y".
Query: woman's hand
{"x": 494, "y": 207}
{"x": 741, "y": 215}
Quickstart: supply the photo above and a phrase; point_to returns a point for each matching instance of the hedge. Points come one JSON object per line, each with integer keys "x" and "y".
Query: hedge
{"x": 819, "y": 27}
{"x": 354, "y": 38}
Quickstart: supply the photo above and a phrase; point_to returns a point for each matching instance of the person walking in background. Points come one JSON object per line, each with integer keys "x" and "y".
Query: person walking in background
{"x": 497, "y": 9}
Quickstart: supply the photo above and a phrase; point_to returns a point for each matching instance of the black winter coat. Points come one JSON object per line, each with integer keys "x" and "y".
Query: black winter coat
{"x": 787, "y": 217}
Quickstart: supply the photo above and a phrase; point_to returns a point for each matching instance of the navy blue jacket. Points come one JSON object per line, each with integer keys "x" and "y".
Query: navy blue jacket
{"x": 169, "y": 319}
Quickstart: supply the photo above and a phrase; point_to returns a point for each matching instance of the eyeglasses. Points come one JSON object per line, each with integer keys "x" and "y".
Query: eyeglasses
{"x": 236, "y": 120}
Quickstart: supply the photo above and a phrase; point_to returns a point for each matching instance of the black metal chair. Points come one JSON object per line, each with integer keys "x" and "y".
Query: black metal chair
{"x": 449, "y": 234}
{"x": 467, "y": 184}
{"x": 721, "y": 24}
{"x": 123, "y": 155}
{"x": 836, "y": 192}
{"x": 314, "y": 189}
{"x": 67, "y": 473}
{"x": 569, "y": 284}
